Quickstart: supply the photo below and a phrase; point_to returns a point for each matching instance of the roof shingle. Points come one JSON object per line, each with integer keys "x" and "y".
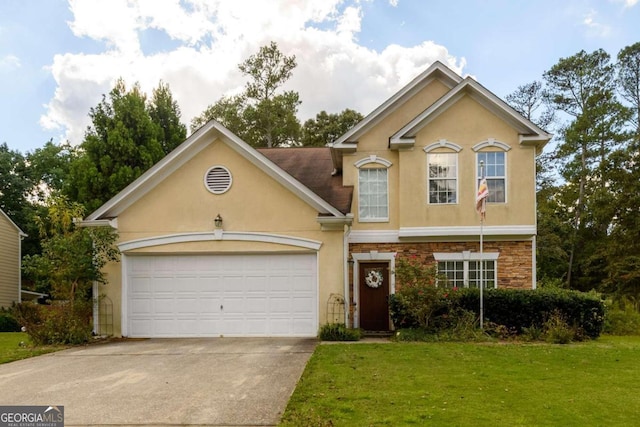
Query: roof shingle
{"x": 313, "y": 166}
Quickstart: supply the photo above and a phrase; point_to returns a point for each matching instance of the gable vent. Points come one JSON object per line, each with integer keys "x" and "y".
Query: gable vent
{"x": 218, "y": 180}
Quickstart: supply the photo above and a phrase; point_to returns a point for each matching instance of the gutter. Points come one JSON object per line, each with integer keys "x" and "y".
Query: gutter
{"x": 113, "y": 223}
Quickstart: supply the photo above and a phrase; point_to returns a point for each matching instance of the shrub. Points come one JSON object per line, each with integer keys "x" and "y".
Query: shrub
{"x": 338, "y": 332}
{"x": 507, "y": 312}
{"x": 8, "y": 322}
{"x": 622, "y": 320}
{"x": 557, "y": 330}
{"x": 61, "y": 323}
{"x": 520, "y": 309}
{"x": 417, "y": 302}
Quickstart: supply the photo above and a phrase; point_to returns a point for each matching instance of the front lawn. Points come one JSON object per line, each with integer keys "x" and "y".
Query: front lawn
{"x": 11, "y": 349}
{"x": 470, "y": 384}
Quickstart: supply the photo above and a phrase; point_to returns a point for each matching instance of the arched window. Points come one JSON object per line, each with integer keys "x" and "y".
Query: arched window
{"x": 442, "y": 172}
{"x": 373, "y": 189}
{"x": 491, "y": 163}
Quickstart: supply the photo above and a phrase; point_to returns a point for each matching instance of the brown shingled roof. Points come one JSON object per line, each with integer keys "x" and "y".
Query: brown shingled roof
{"x": 312, "y": 166}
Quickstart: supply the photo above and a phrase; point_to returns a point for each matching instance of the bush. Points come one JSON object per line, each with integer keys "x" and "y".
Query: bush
{"x": 56, "y": 324}
{"x": 8, "y": 322}
{"x": 511, "y": 312}
{"x": 522, "y": 309}
{"x": 622, "y": 320}
{"x": 417, "y": 302}
{"x": 338, "y": 332}
{"x": 557, "y": 330}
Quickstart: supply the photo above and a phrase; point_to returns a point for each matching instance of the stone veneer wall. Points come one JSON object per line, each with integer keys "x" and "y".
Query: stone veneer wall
{"x": 514, "y": 263}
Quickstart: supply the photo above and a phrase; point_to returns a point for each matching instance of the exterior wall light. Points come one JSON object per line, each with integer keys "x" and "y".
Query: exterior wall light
{"x": 218, "y": 221}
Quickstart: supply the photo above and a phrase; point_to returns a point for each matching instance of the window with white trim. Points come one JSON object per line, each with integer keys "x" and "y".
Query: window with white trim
{"x": 442, "y": 178}
{"x": 462, "y": 270}
{"x": 495, "y": 171}
{"x": 373, "y": 194}
{"x": 453, "y": 271}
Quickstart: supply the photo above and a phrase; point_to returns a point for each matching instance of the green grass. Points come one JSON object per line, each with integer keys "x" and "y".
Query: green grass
{"x": 594, "y": 383}
{"x": 10, "y": 348}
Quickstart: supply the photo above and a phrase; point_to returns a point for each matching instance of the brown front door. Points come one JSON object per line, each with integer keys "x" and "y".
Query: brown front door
{"x": 374, "y": 296}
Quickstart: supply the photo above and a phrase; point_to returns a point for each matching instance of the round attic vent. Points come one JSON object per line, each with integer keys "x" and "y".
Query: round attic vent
{"x": 218, "y": 180}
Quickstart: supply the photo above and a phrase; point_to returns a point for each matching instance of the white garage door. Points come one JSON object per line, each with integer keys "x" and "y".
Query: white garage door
{"x": 229, "y": 295}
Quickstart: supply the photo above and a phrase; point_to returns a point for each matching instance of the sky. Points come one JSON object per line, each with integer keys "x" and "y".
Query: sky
{"x": 59, "y": 57}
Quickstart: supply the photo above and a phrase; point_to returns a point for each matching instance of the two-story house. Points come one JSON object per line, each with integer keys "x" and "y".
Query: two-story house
{"x": 219, "y": 238}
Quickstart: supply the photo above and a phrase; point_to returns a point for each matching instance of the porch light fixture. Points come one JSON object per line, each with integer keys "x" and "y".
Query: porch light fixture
{"x": 218, "y": 221}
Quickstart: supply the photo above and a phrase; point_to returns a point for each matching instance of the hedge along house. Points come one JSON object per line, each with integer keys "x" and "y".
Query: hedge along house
{"x": 220, "y": 238}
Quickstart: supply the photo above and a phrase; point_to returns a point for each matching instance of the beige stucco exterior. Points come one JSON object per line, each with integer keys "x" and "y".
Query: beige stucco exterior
{"x": 465, "y": 124}
{"x": 170, "y": 211}
{"x": 255, "y": 205}
{"x": 10, "y": 237}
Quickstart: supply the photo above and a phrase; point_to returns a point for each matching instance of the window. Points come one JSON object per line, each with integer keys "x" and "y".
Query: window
{"x": 496, "y": 173}
{"x": 453, "y": 271}
{"x": 443, "y": 178}
{"x": 373, "y": 198}
{"x": 488, "y": 274}
{"x": 462, "y": 269}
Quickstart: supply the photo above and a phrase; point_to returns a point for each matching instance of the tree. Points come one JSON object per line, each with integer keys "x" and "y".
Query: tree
{"x": 326, "y": 128}
{"x": 14, "y": 184}
{"x": 531, "y": 100}
{"x": 72, "y": 258}
{"x": 48, "y": 168}
{"x": 628, "y": 67}
{"x": 120, "y": 145}
{"x": 582, "y": 87}
{"x": 260, "y": 115}
{"x": 165, "y": 112}
{"x": 623, "y": 252}
{"x": 228, "y": 111}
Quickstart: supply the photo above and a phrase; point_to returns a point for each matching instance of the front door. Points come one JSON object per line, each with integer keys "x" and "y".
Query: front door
{"x": 374, "y": 296}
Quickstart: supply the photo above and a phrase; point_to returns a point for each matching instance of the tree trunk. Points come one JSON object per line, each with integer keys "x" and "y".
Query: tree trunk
{"x": 578, "y": 213}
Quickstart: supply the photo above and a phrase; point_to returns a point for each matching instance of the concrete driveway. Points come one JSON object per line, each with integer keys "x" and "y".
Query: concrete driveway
{"x": 199, "y": 381}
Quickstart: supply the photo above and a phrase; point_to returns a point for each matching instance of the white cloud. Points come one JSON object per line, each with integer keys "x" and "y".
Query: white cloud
{"x": 212, "y": 37}
{"x": 627, "y": 3}
{"x": 9, "y": 62}
{"x": 594, "y": 27}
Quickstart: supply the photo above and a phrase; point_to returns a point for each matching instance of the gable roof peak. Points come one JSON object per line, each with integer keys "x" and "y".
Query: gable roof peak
{"x": 207, "y": 134}
{"x": 437, "y": 70}
{"x": 530, "y": 133}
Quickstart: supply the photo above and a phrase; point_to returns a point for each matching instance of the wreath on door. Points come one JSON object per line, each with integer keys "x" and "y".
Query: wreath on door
{"x": 373, "y": 279}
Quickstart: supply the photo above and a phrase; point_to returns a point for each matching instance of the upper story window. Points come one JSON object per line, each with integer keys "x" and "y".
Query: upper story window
{"x": 373, "y": 189}
{"x": 373, "y": 194}
{"x": 442, "y": 172}
{"x": 442, "y": 177}
{"x": 495, "y": 168}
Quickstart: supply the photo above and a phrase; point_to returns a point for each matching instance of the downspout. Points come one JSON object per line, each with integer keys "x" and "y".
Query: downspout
{"x": 21, "y": 237}
{"x": 534, "y": 249}
{"x": 345, "y": 269}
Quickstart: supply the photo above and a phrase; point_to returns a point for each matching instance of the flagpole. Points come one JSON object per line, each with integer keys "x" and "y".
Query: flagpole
{"x": 481, "y": 250}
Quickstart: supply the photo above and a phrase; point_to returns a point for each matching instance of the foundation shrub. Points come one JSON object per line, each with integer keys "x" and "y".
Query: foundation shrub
{"x": 60, "y": 323}
{"x": 338, "y": 332}
{"x": 520, "y": 310}
{"x": 508, "y": 313}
